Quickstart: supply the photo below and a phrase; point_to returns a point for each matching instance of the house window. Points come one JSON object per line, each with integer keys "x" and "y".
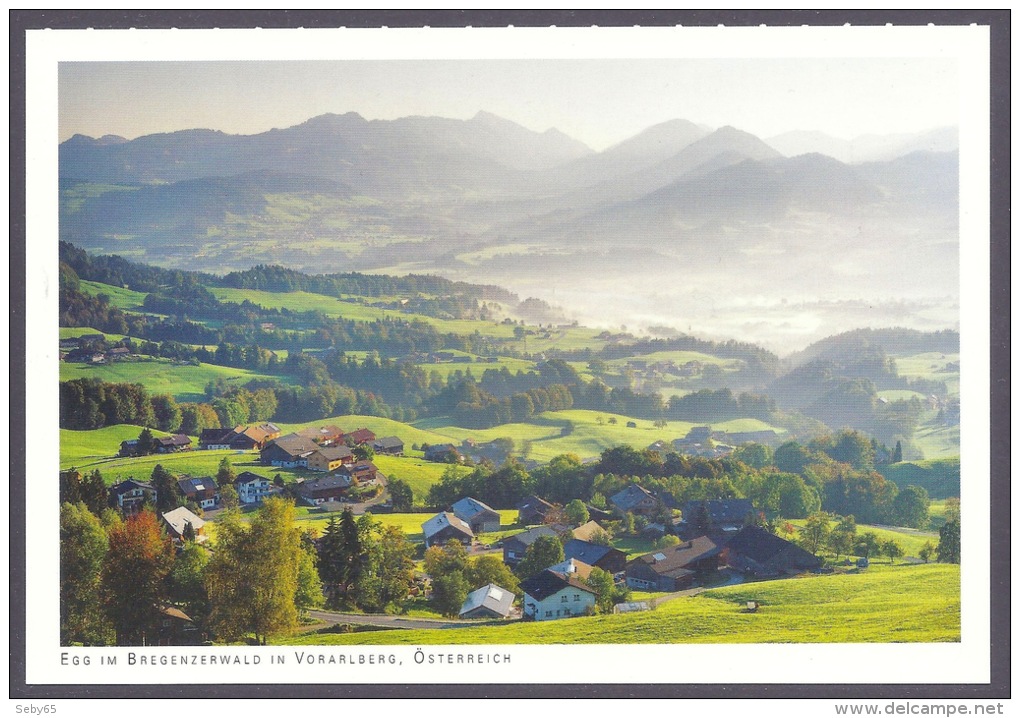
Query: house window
{"x": 548, "y": 614}
{"x": 563, "y": 599}
{"x": 566, "y": 611}
{"x": 577, "y": 597}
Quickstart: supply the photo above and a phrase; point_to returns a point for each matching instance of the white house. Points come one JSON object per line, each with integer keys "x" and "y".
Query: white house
{"x": 252, "y": 488}
{"x": 551, "y": 595}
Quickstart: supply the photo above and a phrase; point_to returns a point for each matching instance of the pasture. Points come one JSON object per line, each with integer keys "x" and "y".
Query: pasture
{"x": 904, "y": 603}
{"x": 184, "y": 382}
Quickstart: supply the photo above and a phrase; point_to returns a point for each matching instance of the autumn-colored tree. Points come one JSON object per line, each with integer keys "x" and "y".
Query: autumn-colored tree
{"x": 134, "y": 591}
{"x": 83, "y": 546}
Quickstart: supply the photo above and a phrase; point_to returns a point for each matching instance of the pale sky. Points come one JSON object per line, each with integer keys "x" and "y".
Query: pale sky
{"x": 600, "y": 102}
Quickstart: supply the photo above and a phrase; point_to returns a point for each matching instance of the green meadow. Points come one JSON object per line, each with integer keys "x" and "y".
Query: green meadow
{"x": 81, "y": 448}
{"x": 184, "y": 382}
{"x": 125, "y": 299}
{"x": 193, "y": 463}
{"x": 902, "y": 604}
{"x": 410, "y": 524}
{"x": 936, "y": 440}
{"x": 932, "y": 365}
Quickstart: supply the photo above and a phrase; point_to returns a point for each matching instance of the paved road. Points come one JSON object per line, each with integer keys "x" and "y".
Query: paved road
{"x": 370, "y": 619}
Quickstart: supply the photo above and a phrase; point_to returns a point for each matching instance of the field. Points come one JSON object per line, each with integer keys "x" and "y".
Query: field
{"x": 932, "y": 365}
{"x": 410, "y": 524}
{"x": 587, "y": 436}
{"x": 121, "y": 298}
{"x": 193, "y": 463}
{"x": 83, "y": 448}
{"x": 882, "y": 604}
{"x": 937, "y": 441}
{"x": 910, "y": 539}
{"x": 185, "y": 382}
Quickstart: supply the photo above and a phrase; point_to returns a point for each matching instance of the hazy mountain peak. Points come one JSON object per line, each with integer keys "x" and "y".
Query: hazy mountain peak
{"x": 80, "y": 139}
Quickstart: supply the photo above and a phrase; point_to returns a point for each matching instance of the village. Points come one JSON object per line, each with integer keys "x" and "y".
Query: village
{"x": 573, "y": 567}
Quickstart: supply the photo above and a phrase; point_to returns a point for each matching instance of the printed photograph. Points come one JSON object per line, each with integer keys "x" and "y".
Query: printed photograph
{"x": 510, "y": 351}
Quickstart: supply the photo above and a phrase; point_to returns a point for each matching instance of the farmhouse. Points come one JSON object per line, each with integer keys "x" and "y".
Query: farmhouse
{"x": 676, "y": 568}
{"x": 444, "y": 527}
{"x": 323, "y": 489}
{"x": 533, "y": 510}
{"x": 573, "y": 567}
{"x": 177, "y": 520}
{"x": 329, "y": 458}
{"x": 324, "y": 435}
{"x": 587, "y": 531}
{"x": 177, "y": 629}
{"x": 203, "y": 491}
{"x": 359, "y": 437}
{"x": 487, "y": 602}
{"x": 479, "y": 517}
{"x": 605, "y": 557}
{"x": 173, "y": 443}
{"x": 240, "y": 438}
{"x": 362, "y": 472}
{"x": 514, "y": 547}
{"x": 636, "y": 500}
{"x": 389, "y": 445}
{"x": 718, "y": 517}
{"x": 443, "y": 453}
{"x": 551, "y": 595}
{"x": 288, "y": 451}
{"x": 762, "y": 554}
{"x": 252, "y": 488}
{"x": 131, "y": 495}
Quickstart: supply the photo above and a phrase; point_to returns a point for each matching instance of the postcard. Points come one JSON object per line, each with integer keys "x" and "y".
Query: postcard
{"x": 489, "y": 356}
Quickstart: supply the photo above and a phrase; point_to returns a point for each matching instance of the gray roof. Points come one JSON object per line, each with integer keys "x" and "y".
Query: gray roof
{"x": 492, "y": 597}
{"x": 332, "y": 453}
{"x": 630, "y": 497}
{"x": 440, "y": 521}
{"x": 181, "y": 516}
{"x": 190, "y": 485}
{"x": 468, "y": 508}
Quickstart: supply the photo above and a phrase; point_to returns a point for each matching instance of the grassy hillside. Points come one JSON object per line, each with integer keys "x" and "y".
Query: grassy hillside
{"x": 195, "y": 463}
{"x": 936, "y": 440}
{"x": 80, "y": 448}
{"x": 121, "y": 298}
{"x": 882, "y": 604}
{"x": 185, "y": 382}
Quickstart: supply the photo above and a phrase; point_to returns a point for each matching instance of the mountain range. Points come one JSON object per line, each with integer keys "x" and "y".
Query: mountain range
{"x": 681, "y": 207}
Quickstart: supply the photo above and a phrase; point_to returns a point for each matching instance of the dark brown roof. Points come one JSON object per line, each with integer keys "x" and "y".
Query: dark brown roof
{"x": 630, "y": 497}
{"x": 549, "y": 583}
{"x": 673, "y": 560}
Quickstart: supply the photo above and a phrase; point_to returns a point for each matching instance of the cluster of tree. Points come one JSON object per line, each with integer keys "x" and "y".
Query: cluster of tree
{"x": 472, "y": 407}
{"x": 363, "y": 565}
{"x": 117, "y": 576}
{"x": 274, "y": 278}
{"x": 92, "y": 404}
{"x": 838, "y": 535}
{"x": 454, "y": 575}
